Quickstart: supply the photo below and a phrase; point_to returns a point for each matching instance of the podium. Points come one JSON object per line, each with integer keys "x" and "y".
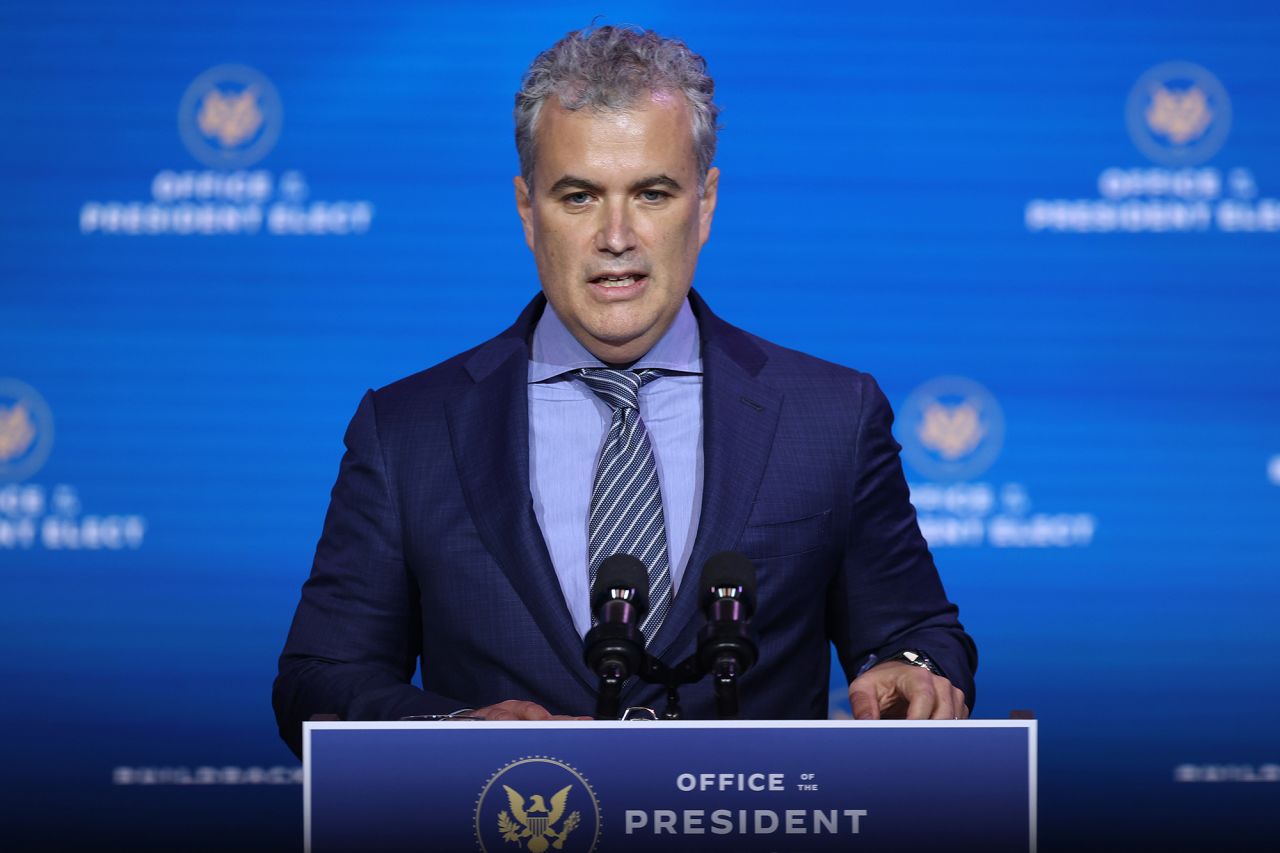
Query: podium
{"x": 743, "y": 786}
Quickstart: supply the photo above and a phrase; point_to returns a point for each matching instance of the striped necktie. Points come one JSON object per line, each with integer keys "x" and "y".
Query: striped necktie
{"x": 626, "y": 503}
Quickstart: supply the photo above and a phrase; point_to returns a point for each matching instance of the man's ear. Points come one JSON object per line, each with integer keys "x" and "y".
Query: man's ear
{"x": 524, "y": 207}
{"x": 707, "y": 205}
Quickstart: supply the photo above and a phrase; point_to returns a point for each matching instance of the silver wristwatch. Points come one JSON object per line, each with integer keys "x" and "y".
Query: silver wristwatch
{"x": 915, "y": 658}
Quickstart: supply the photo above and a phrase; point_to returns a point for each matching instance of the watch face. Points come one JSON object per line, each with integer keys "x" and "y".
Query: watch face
{"x": 922, "y": 660}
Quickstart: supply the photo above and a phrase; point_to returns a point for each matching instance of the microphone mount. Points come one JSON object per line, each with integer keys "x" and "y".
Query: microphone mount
{"x": 614, "y": 647}
{"x": 726, "y": 646}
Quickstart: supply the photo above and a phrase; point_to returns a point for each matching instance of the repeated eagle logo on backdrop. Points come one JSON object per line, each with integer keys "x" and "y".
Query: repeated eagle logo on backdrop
{"x": 17, "y": 431}
{"x": 951, "y": 431}
{"x": 26, "y": 430}
{"x": 41, "y": 515}
{"x": 230, "y": 117}
{"x": 1178, "y": 114}
{"x": 954, "y": 428}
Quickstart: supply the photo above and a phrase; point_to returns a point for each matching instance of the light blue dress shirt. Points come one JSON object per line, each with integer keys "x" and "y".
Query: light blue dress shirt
{"x": 568, "y": 424}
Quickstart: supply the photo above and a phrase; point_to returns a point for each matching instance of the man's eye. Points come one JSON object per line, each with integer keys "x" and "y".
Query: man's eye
{"x": 578, "y": 198}
{"x": 653, "y": 195}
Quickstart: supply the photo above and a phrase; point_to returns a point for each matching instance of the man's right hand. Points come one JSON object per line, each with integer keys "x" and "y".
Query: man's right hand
{"x": 517, "y": 709}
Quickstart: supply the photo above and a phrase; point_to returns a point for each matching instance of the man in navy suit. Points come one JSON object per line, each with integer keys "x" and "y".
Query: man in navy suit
{"x": 475, "y": 498}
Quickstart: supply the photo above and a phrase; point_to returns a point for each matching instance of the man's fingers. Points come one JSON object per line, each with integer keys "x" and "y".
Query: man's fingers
{"x": 922, "y": 700}
{"x": 533, "y": 711}
{"x": 905, "y": 692}
{"x": 514, "y": 709}
{"x": 949, "y": 701}
{"x": 945, "y": 709}
{"x": 864, "y": 702}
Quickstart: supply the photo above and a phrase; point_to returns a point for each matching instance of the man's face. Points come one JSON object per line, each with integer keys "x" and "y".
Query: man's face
{"x": 615, "y": 221}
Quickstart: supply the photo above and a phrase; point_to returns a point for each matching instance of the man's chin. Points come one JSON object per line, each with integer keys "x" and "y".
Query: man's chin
{"x": 620, "y": 345}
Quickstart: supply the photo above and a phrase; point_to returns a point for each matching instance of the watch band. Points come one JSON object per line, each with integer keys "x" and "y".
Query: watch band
{"x": 915, "y": 658}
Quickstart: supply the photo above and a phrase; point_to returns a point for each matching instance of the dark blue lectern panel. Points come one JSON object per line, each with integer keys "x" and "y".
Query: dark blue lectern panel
{"x": 741, "y": 787}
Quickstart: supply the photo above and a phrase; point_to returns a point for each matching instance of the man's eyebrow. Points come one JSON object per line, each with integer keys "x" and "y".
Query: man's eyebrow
{"x": 656, "y": 181}
{"x": 573, "y": 182}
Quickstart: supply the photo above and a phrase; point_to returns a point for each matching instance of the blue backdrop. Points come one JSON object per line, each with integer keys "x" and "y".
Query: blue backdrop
{"x": 1050, "y": 232}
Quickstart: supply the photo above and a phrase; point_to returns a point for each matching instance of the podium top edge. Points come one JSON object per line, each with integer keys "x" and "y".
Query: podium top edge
{"x": 482, "y": 725}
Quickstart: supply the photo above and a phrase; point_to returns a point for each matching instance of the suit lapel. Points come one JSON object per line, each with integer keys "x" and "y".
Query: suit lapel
{"x": 739, "y": 417}
{"x": 489, "y": 430}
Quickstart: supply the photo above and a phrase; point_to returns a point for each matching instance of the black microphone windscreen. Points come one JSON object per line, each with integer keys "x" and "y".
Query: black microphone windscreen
{"x": 729, "y": 569}
{"x": 621, "y": 571}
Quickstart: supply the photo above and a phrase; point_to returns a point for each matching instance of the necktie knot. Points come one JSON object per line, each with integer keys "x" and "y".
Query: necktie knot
{"x": 619, "y": 388}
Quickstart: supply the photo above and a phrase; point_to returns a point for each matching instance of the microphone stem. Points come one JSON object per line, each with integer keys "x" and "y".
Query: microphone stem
{"x": 608, "y": 697}
{"x": 725, "y": 673}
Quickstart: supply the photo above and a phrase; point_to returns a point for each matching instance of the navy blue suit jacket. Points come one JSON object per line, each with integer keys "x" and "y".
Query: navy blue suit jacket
{"x": 431, "y": 549}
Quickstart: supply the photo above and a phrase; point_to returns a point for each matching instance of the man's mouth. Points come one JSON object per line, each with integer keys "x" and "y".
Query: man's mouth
{"x": 624, "y": 280}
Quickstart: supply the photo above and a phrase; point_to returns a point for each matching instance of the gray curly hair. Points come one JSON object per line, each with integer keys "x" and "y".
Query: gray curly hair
{"x": 610, "y": 68}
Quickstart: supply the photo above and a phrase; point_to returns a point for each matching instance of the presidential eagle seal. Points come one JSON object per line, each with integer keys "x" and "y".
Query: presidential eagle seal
{"x": 26, "y": 430}
{"x": 537, "y": 804}
{"x": 1178, "y": 114}
{"x": 952, "y": 428}
{"x": 230, "y": 117}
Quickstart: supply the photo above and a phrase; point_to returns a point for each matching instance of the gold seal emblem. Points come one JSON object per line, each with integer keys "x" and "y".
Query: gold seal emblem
{"x": 17, "y": 431}
{"x": 26, "y": 430}
{"x": 535, "y": 821}
{"x": 230, "y": 117}
{"x": 537, "y": 804}
{"x": 1181, "y": 116}
{"x": 1178, "y": 114}
{"x": 952, "y": 429}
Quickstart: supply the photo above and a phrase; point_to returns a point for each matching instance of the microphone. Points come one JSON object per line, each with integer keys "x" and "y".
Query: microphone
{"x": 726, "y": 647}
{"x": 614, "y": 647}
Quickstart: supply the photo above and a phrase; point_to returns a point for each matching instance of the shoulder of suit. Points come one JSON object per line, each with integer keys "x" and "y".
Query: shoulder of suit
{"x": 420, "y": 396}
{"x": 790, "y": 368}
{"x": 448, "y": 374}
{"x": 466, "y": 368}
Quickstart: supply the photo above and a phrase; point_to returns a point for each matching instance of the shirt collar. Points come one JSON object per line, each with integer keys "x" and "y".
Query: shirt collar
{"x": 556, "y": 351}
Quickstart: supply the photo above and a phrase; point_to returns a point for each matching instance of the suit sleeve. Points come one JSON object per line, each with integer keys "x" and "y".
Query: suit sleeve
{"x": 887, "y": 595}
{"x": 356, "y": 636}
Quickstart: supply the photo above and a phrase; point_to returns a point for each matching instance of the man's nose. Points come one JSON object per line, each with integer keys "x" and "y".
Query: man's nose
{"x": 616, "y": 235}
